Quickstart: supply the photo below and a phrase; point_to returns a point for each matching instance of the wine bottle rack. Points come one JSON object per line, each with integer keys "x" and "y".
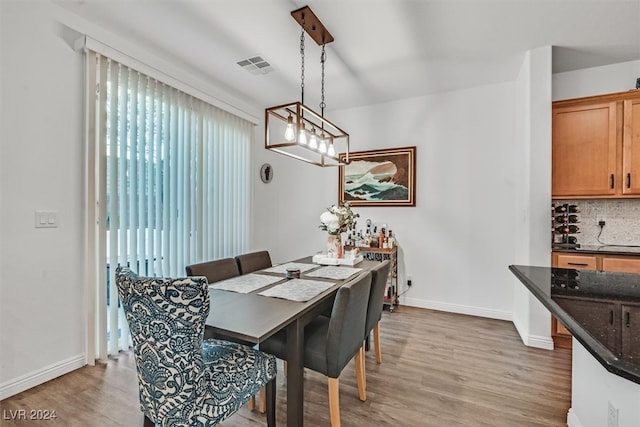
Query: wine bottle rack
{"x": 565, "y": 220}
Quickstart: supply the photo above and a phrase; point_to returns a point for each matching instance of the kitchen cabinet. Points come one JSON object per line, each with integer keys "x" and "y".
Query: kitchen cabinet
{"x": 579, "y": 262}
{"x": 561, "y": 335}
{"x": 612, "y": 323}
{"x": 630, "y": 332}
{"x": 596, "y": 147}
{"x": 619, "y": 263}
{"x": 622, "y": 264}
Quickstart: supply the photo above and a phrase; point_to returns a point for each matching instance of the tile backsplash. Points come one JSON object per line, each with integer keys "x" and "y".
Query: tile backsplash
{"x": 621, "y": 216}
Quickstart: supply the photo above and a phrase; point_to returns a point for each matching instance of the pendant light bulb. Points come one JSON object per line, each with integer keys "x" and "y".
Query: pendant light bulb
{"x": 290, "y": 132}
{"x": 331, "y": 151}
{"x": 302, "y": 136}
{"x": 323, "y": 145}
{"x": 313, "y": 140}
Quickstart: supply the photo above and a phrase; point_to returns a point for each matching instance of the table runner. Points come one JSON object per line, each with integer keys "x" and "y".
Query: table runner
{"x": 300, "y": 290}
{"x": 246, "y": 283}
{"x": 334, "y": 272}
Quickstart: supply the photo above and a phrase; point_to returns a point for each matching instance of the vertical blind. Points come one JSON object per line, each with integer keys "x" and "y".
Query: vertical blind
{"x": 172, "y": 177}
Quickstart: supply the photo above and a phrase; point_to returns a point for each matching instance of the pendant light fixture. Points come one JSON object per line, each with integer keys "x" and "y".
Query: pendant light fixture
{"x": 296, "y": 130}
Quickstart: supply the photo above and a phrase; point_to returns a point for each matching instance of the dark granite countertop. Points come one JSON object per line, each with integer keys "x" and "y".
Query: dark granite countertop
{"x": 590, "y": 304}
{"x": 600, "y": 249}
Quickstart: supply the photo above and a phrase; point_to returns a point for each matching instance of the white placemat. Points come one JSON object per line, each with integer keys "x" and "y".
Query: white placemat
{"x": 297, "y": 289}
{"x": 245, "y": 283}
{"x": 282, "y": 268}
{"x": 334, "y": 272}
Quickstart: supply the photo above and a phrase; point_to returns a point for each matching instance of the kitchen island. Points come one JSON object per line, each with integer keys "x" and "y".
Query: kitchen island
{"x": 602, "y": 311}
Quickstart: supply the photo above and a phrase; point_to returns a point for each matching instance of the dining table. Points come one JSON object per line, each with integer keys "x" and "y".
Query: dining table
{"x": 252, "y": 316}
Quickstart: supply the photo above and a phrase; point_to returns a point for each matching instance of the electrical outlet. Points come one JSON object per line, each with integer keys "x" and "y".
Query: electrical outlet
{"x": 409, "y": 281}
{"x": 612, "y": 416}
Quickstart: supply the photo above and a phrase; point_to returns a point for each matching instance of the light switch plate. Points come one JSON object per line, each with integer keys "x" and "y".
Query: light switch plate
{"x": 46, "y": 219}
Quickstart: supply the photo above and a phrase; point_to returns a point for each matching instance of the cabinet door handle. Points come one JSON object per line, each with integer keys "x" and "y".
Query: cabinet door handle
{"x": 629, "y": 180}
{"x": 627, "y": 319}
{"x": 580, "y": 264}
{"x": 612, "y": 181}
{"x": 611, "y": 317}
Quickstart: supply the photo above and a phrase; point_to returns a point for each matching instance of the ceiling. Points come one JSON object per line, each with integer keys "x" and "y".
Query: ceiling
{"x": 383, "y": 50}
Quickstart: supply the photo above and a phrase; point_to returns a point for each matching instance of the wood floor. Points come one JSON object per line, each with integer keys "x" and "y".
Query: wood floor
{"x": 439, "y": 369}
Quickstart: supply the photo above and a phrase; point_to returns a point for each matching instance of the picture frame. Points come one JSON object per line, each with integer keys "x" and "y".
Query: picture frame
{"x": 384, "y": 177}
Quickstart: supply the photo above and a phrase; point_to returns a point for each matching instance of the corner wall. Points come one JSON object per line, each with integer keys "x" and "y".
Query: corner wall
{"x": 533, "y": 159}
{"x": 41, "y": 275}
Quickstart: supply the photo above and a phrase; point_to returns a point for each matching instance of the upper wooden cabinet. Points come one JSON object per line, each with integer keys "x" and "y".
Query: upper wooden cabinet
{"x": 596, "y": 147}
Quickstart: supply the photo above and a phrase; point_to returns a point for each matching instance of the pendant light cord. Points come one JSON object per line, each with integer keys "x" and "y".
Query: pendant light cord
{"x": 302, "y": 61}
{"x": 323, "y": 58}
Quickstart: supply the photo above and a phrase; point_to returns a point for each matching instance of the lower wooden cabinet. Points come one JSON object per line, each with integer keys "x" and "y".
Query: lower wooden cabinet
{"x": 630, "y": 332}
{"x": 626, "y": 264}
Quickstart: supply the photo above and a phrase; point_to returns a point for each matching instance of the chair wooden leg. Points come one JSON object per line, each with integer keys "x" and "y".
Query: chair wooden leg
{"x": 334, "y": 401}
{"x": 252, "y": 403}
{"x": 262, "y": 404}
{"x": 148, "y": 422}
{"x": 270, "y": 400}
{"x": 364, "y": 367}
{"x": 362, "y": 392}
{"x": 376, "y": 342}
{"x": 284, "y": 365}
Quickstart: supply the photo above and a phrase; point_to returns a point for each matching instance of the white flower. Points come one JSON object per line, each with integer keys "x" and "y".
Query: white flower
{"x": 338, "y": 219}
{"x": 331, "y": 221}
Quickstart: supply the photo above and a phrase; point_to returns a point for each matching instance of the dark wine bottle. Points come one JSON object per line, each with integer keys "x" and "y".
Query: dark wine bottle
{"x": 567, "y": 229}
{"x": 562, "y": 218}
{"x": 561, "y": 208}
{"x": 574, "y": 209}
{"x": 573, "y": 218}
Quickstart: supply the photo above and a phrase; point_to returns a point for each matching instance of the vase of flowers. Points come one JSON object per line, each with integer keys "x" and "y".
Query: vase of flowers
{"x": 335, "y": 221}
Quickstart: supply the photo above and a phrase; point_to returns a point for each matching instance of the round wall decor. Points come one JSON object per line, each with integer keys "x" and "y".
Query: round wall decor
{"x": 266, "y": 173}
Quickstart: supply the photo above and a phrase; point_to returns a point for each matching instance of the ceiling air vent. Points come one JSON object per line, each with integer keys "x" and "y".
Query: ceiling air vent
{"x": 256, "y": 65}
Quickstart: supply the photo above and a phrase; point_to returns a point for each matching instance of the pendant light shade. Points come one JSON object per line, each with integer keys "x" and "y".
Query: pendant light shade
{"x": 296, "y": 130}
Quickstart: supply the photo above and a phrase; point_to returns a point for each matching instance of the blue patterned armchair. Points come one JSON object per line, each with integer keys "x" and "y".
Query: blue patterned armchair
{"x": 183, "y": 380}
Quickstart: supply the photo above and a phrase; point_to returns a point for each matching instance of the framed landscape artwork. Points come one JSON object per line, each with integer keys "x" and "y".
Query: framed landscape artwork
{"x": 379, "y": 178}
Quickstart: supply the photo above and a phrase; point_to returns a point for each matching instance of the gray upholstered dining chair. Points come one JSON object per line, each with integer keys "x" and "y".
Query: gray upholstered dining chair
{"x": 253, "y": 261}
{"x": 184, "y": 380}
{"x": 215, "y": 271}
{"x": 331, "y": 343}
{"x": 379, "y": 276}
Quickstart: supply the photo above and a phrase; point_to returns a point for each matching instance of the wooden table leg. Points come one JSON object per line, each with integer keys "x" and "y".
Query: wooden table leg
{"x": 295, "y": 374}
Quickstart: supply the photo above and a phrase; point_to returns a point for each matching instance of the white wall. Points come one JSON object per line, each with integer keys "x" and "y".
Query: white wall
{"x": 596, "y": 81}
{"x": 533, "y": 176}
{"x": 41, "y": 274}
{"x": 457, "y": 242}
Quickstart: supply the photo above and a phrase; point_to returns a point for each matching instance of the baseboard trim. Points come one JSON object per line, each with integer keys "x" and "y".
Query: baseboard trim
{"x": 572, "y": 419}
{"x": 457, "y": 308}
{"x": 32, "y": 379}
{"x": 536, "y": 341}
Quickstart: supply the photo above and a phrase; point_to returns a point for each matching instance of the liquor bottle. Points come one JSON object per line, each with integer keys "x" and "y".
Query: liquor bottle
{"x": 392, "y": 240}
